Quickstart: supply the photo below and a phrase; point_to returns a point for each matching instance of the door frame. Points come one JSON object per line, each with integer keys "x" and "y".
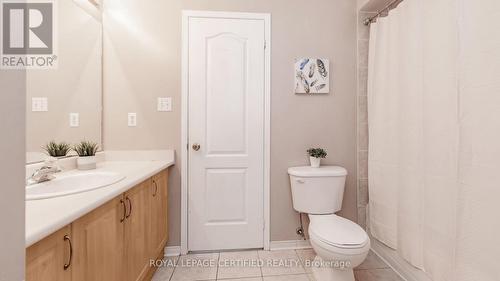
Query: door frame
{"x": 186, "y": 15}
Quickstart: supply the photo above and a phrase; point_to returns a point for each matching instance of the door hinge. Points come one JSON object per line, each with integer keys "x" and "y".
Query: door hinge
{"x": 265, "y": 44}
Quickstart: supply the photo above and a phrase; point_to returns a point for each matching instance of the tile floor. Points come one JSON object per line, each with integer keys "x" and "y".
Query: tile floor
{"x": 221, "y": 266}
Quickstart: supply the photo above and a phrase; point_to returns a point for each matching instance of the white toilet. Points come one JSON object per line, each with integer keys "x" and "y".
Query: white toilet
{"x": 339, "y": 243}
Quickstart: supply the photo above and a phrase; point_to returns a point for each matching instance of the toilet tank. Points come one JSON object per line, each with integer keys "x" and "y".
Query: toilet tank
{"x": 317, "y": 190}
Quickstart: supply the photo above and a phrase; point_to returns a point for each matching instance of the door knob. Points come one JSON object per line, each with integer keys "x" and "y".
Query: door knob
{"x": 196, "y": 147}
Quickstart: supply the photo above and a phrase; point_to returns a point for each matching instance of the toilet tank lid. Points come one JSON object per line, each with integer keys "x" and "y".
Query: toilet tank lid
{"x": 323, "y": 171}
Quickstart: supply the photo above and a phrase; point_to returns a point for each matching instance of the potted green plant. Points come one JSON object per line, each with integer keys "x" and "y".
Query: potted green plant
{"x": 315, "y": 156}
{"x": 55, "y": 149}
{"x": 86, "y": 151}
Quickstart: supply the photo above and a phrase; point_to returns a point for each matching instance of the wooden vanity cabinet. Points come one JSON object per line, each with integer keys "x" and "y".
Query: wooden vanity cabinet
{"x": 49, "y": 260}
{"x": 114, "y": 242}
{"x": 159, "y": 226}
{"x": 98, "y": 240}
{"x": 137, "y": 234}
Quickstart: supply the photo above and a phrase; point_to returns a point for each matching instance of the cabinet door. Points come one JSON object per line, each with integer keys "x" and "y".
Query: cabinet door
{"x": 98, "y": 243}
{"x": 137, "y": 227}
{"x": 159, "y": 226}
{"x": 49, "y": 259}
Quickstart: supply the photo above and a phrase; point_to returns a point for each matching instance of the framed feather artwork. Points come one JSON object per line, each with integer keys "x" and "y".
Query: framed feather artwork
{"x": 312, "y": 76}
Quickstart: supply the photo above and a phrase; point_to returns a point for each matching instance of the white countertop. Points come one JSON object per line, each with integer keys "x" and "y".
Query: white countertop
{"x": 44, "y": 217}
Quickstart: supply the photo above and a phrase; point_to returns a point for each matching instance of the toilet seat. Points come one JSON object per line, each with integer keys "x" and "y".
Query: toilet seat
{"x": 337, "y": 232}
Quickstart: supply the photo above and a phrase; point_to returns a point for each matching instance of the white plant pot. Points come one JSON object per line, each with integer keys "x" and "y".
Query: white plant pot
{"x": 86, "y": 163}
{"x": 315, "y": 162}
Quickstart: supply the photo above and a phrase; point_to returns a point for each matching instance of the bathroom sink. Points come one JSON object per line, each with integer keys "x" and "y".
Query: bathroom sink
{"x": 70, "y": 184}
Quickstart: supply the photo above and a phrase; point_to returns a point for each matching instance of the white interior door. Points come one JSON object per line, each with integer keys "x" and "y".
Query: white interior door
{"x": 226, "y": 91}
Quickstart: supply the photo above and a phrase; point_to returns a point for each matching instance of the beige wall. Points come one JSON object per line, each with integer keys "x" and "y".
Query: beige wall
{"x": 75, "y": 86}
{"x": 142, "y": 61}
{"x": 372, "y": 5}
{"x": 361, "y": 3}
{"x": 12, "y": 171}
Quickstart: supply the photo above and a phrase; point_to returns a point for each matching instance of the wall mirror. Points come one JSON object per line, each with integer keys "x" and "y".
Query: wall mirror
{"x": 64, "y": 104}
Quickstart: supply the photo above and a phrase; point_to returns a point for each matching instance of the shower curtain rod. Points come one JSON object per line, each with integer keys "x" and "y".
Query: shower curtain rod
{"x": 390, "y": 6}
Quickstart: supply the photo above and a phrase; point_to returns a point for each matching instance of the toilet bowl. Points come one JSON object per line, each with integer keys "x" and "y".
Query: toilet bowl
{"x": 339, "y": 243}
{"x": 340, "y": 246}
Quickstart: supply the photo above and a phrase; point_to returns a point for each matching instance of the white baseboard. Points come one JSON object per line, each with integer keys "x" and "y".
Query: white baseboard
{"x": 290, "y": 245}
{"x": 172, "y": 251}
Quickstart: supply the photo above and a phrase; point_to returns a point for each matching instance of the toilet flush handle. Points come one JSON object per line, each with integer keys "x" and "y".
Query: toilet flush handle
{"x": 299, "y": 180}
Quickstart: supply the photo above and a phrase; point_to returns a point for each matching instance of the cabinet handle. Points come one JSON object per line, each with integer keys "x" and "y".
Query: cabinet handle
{"x": 156, "y": 188}
{"x": 124, "y": 210}
{"x": 67, "y": 265}
{"x": 130, "y": 207}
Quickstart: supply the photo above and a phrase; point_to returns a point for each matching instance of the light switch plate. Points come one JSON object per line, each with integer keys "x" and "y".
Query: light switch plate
{"x": 165, "y": 104}
{"x": 74, "y": 119}
{"x": 39, "y": 104}
{"x": 132, "y": 119}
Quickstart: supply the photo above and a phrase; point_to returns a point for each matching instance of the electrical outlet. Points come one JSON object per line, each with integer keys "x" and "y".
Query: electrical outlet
{"x": 39, "y": 104}
{"x": 164, "y": 104}
{"x": 132, "y": 119}
{"x": 74, "y": 119}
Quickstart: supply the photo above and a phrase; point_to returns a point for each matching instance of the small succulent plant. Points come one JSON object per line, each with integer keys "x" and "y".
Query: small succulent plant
{"x": 86, "y": 148}
{"x": 317, "y": 152}
{"x": 55, "y": 149}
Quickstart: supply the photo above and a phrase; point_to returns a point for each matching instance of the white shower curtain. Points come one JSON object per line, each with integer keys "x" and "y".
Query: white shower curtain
{"x": 478, "y": 228}
{"x": 434, "y": 131}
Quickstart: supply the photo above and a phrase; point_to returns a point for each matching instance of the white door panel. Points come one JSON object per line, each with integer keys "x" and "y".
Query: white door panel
{"x": 226, "y": 190}
{"x": 226, "y": 117}
{"x": 226, "y": 94}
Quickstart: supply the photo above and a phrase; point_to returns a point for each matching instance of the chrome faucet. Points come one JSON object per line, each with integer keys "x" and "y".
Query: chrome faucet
{"x": 45, "y": 173}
